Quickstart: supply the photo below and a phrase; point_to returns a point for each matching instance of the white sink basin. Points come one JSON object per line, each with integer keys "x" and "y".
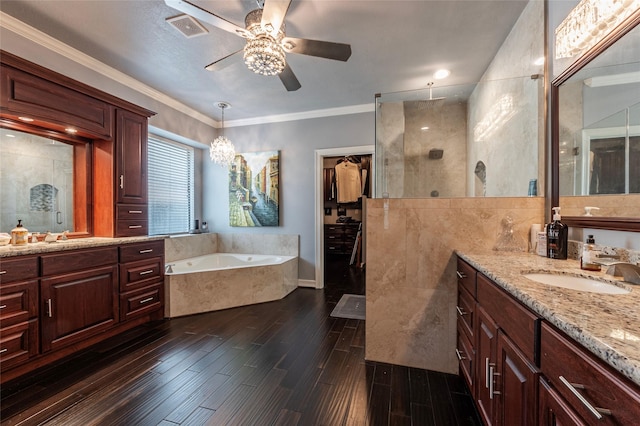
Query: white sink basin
{"x": 576, "y": 283}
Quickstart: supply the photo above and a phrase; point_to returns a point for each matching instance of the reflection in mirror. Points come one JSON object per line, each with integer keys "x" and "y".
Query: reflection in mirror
{"x": 37, "y": 182}
{"x": 599, "y": 133}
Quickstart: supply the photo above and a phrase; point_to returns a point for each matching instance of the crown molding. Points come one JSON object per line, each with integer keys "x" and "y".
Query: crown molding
{"x": 38, "y": 37}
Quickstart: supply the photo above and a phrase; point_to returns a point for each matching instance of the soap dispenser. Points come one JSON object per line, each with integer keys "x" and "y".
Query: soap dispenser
{"x": 19, "y": 235}
{"x": 589, "y": 253}
{"x": 557, "y": 237}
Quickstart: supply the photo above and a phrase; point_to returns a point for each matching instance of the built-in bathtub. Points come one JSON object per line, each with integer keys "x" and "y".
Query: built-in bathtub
{"x": 226, "y": 280}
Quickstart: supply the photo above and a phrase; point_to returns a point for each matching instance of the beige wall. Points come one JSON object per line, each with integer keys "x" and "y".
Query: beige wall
{"x": 411, "y": 282}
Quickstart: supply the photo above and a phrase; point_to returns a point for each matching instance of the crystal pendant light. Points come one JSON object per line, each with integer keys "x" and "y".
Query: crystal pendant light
{"x": 222, "y": 150}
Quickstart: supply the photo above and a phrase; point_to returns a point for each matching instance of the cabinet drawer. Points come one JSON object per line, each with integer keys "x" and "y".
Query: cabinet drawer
{"x": 596, "y": 382}
{"x": 521, "y": 325}
{"x": 18, "y": 269}
{"x": 18, "y": 343}
{"x": 466, "y": 357}
{"x": 139, "y": 251}
{"x": 467, "y": 277}
{"x": 18, "y": 302}
{"x": 141, "y": 273}
{"x": 53, "y": 264}
{"x": 132, "y": 212}
{"x": 132, "y": 228}
{"x": 466, "y": 311}
{"x": 140, "y": 302}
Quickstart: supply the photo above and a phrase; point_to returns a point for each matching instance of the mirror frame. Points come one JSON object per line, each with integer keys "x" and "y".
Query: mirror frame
{"x": 612, "y": 223}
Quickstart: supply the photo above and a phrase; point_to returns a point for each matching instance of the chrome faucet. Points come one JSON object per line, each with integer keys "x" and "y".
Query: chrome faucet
{"x": 628, "y": 271}
{"x": 168, "y": 268}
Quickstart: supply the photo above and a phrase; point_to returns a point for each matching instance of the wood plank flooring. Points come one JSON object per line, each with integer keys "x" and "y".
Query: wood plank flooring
{"x": 279, "y": 363}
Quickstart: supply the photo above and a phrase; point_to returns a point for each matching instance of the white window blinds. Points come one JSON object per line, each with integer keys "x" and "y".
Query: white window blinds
{"x": 170, "y": 171}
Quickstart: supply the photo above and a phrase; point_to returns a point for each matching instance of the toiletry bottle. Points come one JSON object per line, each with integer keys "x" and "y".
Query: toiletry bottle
{"x": 541, "y": 245}
{"x": 557, "y": 237}
{"x": 589, "y": 253}
{"x": 19, "y": 235}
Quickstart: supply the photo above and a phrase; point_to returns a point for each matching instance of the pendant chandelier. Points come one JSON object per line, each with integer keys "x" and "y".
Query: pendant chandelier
{"x": 222, "y": 150}
{"x": 263, "y": 53}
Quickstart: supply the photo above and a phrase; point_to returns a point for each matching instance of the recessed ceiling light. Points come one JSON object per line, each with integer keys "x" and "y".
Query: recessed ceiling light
{"x": 423, "y": 128}
{"x": 440, "y": 74}
{"x": 27, "y": 119}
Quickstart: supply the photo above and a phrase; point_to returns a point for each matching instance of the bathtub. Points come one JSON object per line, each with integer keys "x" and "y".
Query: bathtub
{"x": 226, "y": 280}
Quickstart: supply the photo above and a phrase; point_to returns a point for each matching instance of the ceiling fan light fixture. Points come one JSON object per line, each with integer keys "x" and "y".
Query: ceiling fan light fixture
{"x": 264, "y": 55}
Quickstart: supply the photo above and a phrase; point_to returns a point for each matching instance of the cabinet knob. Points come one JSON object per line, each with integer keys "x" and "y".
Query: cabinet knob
{"x": 135, "y": 226}
{"x": 3, "y": 306}
{"x": 3, "y": 350}
{"x": 492, "y": 382}
{"x": 121, "y": 181}
{"x": 460, "y": 355}
{"x": 49, "y": 309}
{"x": 3, "y": 272}
{"x": 135, "y": 211}
{"x": 461, "y": 312}
{"x": 461, "y": 275}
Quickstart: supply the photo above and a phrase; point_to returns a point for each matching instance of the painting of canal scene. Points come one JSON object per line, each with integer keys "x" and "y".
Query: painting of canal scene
{"x": 253, "y": 189}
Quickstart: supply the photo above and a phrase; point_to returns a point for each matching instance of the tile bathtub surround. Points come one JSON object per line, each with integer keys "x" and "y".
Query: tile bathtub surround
{"x": 192, "y": 245}
{"x": 607, "y": 325}
{"x": 411, "y": 286}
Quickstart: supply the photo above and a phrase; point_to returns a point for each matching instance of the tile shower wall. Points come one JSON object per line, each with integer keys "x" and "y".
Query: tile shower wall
{"x": 411, "y": 281}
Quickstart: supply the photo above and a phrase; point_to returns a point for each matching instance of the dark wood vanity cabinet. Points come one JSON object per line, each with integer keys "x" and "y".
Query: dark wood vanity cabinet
{"x": 141, "y": 279}
{"x": 499, "y": 366}
{"x": 54, "y": 304}
{"x": 583, "y": 386}
{"x": 79, "y": 292}
{"x": 19, "y": 336}
{"x": 522, "y": 370}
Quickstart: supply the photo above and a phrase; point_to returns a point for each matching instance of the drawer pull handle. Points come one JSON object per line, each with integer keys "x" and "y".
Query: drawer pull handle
{"x": 597, "y": 412}
{"x": 147, "y": 300}
{"x": 150, "y": 271}
{"x": 486, "y": 373}
{"x": 461, "y": 312}
{"x": 135, "y": 226}
{"x": 145, "y": 251}
{"x": 135, "y": 211}
{"x": 492, "y": 374}
{"x": 3, "y": 272}
{"x": 3, "y": 350}
{"x": 460, "y": 355}
{"x": 121, "y": 181}
{"x": 3, "y": 306}
{"x": 49, "y": 309}
{"x": 461, "y": 275}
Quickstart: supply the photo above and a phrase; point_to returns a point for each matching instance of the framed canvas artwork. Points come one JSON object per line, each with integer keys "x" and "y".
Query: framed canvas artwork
{"x": 254, "y": 189}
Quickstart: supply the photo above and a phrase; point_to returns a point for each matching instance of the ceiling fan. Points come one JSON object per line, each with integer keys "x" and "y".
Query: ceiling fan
{"x": 267, "y": 42}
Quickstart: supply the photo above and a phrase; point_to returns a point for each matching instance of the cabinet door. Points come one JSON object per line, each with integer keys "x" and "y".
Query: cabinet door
{"x": 78, "y": 305}
{"x": 517, "y": 386}
{"x": 487, "y": 335}
{"x": 554, "y": 410}
{"x": 131, "y": 164}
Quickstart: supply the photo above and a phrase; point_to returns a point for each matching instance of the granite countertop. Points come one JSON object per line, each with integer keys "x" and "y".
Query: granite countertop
{"x": 72, "y": 244}
{"x": 608, "y": 325}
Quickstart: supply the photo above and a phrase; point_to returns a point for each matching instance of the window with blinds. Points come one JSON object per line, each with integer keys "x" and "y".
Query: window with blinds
{"x": 170, "y": 172}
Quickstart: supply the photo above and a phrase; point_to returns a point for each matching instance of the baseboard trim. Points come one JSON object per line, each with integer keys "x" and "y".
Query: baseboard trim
{"x": 307, "y": 283}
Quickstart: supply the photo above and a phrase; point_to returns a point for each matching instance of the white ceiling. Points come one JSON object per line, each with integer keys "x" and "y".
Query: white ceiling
{"x": 396, "y": 45}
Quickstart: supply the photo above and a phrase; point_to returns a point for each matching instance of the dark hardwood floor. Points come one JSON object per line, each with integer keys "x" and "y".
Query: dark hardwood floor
{"x": 279, "y": 363}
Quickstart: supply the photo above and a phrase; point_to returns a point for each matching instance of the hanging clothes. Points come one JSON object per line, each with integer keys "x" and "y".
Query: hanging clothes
{"x": 348, "y": 182}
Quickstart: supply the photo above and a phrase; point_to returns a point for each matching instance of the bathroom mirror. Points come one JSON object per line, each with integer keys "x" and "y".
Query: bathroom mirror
{"x": 596, "y": 134}
{"x": 42, "y": 181}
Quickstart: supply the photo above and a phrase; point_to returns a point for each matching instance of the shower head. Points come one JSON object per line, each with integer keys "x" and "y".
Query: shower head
{"x": 431, "y": 102}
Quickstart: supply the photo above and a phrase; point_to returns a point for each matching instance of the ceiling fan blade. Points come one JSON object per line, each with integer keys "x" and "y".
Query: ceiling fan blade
{"x": 273, "y": 14}
{"x": 321, "y": 49}
{"x": 289, "y": 79}
{"x": 206, "y": 16}
{"x": 221, "y": 63}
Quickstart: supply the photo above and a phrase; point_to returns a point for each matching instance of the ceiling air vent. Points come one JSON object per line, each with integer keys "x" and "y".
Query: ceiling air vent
{"x": 187, "y": 25}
